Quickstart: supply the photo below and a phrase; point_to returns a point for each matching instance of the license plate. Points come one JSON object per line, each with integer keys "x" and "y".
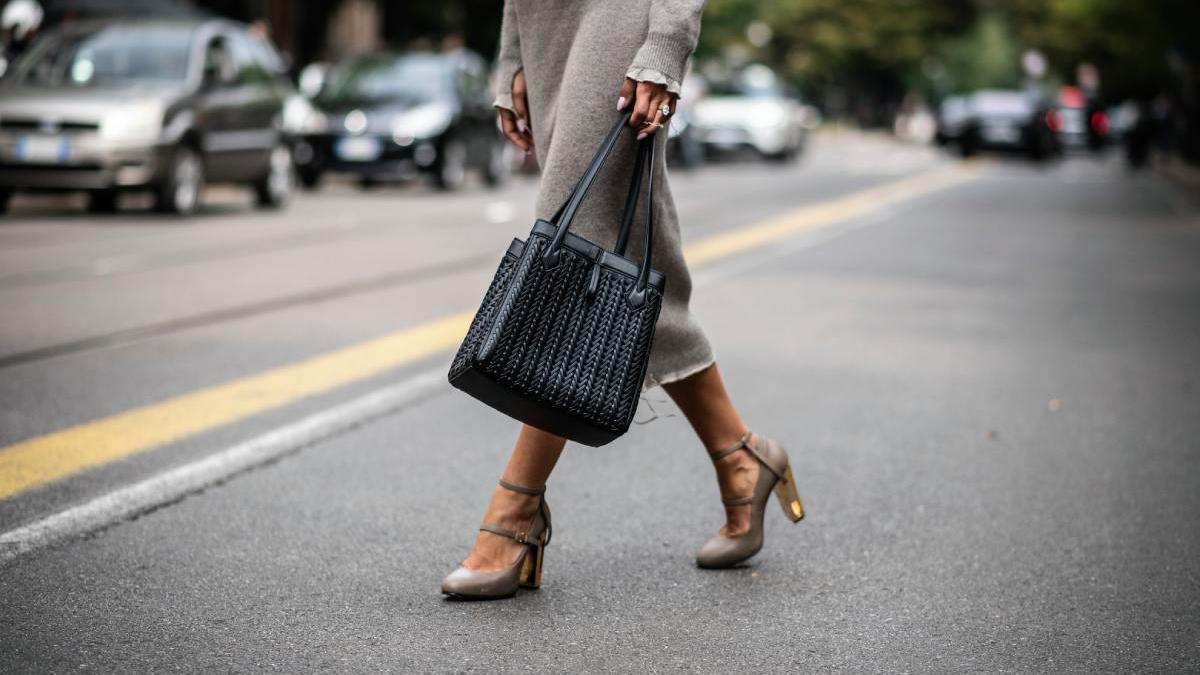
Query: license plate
{"x": 359, "y": 148}
{"x": 43, "y": 149}
{"x": 1000, "y": 134}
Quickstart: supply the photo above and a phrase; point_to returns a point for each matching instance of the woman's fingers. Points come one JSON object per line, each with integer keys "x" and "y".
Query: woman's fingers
{"x": 657, "y": 120}
{"x": 628, "y": 89}
{"x": 508, "y": 124}
{"x": 521, "y": 103}
{"x": 642, "y": 111}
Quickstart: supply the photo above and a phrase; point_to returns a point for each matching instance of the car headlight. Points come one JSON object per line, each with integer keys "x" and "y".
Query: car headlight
{"x": 421, "y": 122}
{"x": 140, "y": 122}
{"x": 314, "y": 122}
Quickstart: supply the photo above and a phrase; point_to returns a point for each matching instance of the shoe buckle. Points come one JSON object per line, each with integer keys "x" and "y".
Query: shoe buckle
{"x": 521, "y": 537}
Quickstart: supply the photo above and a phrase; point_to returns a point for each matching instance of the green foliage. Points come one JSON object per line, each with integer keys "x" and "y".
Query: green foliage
{"x": 884, "y": 47}
{"x": 986, "y": 57}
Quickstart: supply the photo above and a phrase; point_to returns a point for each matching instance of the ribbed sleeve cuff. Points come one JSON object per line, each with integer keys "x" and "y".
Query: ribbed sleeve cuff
{"x": 666, "y": 54}
{"x": 652, "y": 75}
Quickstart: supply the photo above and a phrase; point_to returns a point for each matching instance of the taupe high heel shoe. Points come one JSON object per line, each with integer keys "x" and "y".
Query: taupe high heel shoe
{"x": 526, "y": 572}
{"x": 775, "y": 473}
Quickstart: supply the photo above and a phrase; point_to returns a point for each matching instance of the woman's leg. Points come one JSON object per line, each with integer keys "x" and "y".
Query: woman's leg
{"x": 530, "y": 465}
{"x": 705, "y": 403}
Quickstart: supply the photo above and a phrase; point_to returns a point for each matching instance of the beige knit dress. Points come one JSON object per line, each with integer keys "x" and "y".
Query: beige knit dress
{"x": 576, "y": 54}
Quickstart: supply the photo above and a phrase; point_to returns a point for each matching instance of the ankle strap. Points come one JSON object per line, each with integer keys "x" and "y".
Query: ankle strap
{"x": 519, "y": 536}
{"x": 743, "y": 442}
{"x": 522, "y": 489}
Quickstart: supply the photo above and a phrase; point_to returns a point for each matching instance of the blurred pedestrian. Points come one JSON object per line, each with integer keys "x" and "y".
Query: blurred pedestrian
{"x": 564, "y": 71}
{"x": 19, "y": 24}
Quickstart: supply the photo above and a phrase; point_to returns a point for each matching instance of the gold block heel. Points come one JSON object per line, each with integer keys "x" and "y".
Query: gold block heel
{"x": 531, "y": 571}
{"x": 789, "y": 497}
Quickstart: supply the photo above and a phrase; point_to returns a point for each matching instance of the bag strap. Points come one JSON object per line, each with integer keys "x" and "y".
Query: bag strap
{"x": 637, "y": 297}
{"x": 630, "y": 210}
{"x": 566, "y": 213}
{"x": 597, "y": 160}
{"x": 551, "y": 257}
{"x": 635, "y": 188}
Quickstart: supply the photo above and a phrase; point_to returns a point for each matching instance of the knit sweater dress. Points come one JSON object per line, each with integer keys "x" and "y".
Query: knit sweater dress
{"x": 576, "y": 54}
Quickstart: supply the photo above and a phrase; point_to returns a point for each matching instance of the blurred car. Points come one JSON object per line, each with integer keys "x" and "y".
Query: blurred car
{"x": 165, "y": 105}
{"x": 753, "y": 112}
{"x": 1078, "y": 123}
{"x": 684, "y": 148}
{"x": 393, "y": 116}
{"x": 998, "y": 120}
{"x": 951, "y": 120}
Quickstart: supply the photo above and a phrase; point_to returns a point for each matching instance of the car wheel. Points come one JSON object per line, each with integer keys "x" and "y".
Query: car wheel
{"x": 310, "y": 179}
{"x": 181, "y": 192}
{"x": 451, "y": 169}
{"x": 102, "y": 201}
{"x": 968, "y": 145}
{"x": 5, "y": 198}
{"x": 275, "y": 188}
{"x": 782, "y": 156}
{"x": 499, "y": 164}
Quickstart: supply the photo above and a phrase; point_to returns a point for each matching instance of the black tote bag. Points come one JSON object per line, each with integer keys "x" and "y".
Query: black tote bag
{"x": 563, "y": 335}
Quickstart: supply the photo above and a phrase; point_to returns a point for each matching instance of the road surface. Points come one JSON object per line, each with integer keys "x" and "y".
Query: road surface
{"x": 227, "y": 444}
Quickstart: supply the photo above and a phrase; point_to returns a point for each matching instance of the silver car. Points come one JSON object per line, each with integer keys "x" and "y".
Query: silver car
{"x": 752, "y": 112}
{"x": 146, "y": 104}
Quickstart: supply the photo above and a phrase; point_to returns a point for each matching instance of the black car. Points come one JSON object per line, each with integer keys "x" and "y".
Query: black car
{"x": 392, "y": 116}
{"x": 999, "y": 120}
{"x": 163, "y": 105}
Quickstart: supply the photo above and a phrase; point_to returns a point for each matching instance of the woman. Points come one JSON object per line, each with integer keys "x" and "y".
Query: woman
{"x": 565, "y": 69}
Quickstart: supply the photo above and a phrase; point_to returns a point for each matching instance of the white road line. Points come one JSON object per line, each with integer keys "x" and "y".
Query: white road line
{"x": 165, "y": 488}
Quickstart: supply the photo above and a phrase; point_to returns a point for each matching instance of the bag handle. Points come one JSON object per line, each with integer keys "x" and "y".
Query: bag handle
{"x": 631, "y": 202}
{"x": 637, "y": 297}
{"x": 566, "y": 213}
{"x": 635, "y": 188}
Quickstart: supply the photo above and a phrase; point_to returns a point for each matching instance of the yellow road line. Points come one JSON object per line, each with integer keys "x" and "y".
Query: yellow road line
{"x": 824, "y": 214}
{"x": 44, "y": 459}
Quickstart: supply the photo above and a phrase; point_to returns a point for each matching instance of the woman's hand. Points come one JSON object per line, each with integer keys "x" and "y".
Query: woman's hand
{"x": 516, "y": 125}
{"x": 649, "y": 99}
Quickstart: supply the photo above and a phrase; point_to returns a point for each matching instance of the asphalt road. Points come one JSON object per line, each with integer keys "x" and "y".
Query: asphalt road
{"x": 990, "y": 392}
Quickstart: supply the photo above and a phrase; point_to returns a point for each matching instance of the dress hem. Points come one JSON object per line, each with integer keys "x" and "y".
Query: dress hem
{"x": 678, "y": 375}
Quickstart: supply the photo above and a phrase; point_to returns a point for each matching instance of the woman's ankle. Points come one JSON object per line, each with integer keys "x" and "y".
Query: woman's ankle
{"x": 508, "y": 507}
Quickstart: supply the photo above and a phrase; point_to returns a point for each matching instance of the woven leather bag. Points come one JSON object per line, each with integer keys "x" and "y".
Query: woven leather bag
{"x": 563, "y": 335}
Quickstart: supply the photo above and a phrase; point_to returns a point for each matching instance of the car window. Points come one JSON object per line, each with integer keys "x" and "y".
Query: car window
{"x": 251, "y": 66}
{"x": 218, "y": 61}
{"x": 108, "y": 55}
{"x": 412, "y": 79}
{"x": 268, "y": 57}
{"x": 1002, "y": 103}
{"x": 471, "y": 78}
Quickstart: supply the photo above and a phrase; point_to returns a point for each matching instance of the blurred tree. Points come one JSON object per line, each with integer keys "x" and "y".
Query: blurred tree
{"x": 859, "y": 57}
{"x": 851, "y": 55}
{"x": 987, "y": 56}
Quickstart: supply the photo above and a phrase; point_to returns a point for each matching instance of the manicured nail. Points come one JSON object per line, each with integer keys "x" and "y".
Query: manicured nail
{"x": 621, "y": 103}
{"x": 642, "y": 135}
{"x": 521, "y": 126}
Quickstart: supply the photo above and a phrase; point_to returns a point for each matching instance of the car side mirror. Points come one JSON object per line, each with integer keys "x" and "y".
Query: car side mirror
{"x": 217, "y": 76}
